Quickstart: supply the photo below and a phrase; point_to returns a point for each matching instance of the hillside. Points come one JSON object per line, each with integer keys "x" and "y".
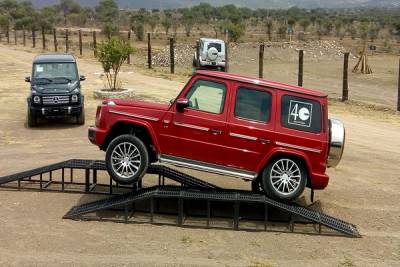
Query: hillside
{"x": 166, "y": 4}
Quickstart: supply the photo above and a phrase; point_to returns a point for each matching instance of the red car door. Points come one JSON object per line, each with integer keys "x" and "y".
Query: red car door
{"x": 251, "y": 127}
{"x": 197, "y": 132}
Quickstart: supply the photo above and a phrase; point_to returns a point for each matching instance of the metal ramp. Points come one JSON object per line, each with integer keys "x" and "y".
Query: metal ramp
{"x": 245, "y": 208}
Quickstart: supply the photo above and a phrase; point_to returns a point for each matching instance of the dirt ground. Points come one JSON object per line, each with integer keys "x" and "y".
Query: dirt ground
{"x": 364, "y": 190}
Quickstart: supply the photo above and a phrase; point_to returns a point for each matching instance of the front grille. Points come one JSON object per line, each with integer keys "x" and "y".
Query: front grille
{"x": 55, "y": 100}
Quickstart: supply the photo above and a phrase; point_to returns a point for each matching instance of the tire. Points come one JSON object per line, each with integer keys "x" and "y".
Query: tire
{"x": 284, "y": 178}
{"x": 31, "y": 119}
{"x": 122, "y": 169}
{"x": 80, "y": 119}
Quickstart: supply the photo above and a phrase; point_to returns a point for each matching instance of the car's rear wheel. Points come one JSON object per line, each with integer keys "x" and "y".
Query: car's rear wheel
{"x": 127, "y": 159}
{"x": 31, "y": 119}
{"x": 284, "y": 178}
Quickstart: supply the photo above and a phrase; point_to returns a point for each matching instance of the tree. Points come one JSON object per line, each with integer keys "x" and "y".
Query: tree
{"x": 66, "y": 7}
{"x": 107, "y": 12}
{"x": 166, "y": 23}
{"x": 282, "y": 32}
{"x": 304, "y": 23}
{"x": 137, "y": 23}
{"x": 235, "y": 31}
{"x": 153, "y": 21}
{"x": 112, "y": 54}
{"x": 188, "y": 21}
{"x": 269, "y": 23}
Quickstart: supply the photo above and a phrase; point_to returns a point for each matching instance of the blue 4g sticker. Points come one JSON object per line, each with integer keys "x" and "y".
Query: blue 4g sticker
{"x": 300, "y": 113}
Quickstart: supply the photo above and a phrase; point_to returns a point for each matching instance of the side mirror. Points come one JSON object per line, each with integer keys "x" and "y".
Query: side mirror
{"x": 82, "y": 78}
{"x": 28, "y": 79}
{"x": 181, "y": 104}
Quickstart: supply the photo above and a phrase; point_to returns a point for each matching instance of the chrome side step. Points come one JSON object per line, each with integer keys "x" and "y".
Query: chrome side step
{"x": 207, "y": 167}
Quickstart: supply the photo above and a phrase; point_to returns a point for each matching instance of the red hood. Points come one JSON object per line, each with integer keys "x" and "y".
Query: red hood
{"x": 140, "y": 104}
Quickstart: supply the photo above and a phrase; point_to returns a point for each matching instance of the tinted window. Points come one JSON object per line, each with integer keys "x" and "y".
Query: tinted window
{"x": 301, "y": 114}
{"x": 253, "y": 104}
{"x": 207, "y": 96}
{"x": 215, "y": 45}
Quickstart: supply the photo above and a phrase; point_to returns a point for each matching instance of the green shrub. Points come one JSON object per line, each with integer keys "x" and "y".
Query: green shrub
{"x": 235, "y": 31}
{"x": 112, "y": 54}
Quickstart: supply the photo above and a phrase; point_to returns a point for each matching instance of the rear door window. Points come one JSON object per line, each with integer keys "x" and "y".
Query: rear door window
{"x": 253, "y": 104}
{"x": 301, "y": 114}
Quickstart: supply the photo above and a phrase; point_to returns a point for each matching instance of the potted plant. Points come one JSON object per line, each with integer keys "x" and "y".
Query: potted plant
{"x": 112, "y": 54}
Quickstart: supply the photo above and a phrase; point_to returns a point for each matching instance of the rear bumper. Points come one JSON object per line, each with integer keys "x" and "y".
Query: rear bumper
{"x": 319, "y": 181}
{"x": 96, "y": 136}
{"x": 56, "y": 111}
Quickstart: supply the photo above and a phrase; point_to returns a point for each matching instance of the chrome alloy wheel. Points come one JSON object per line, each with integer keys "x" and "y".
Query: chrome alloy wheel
{"x": 125, "y": 160}
{"x": 285, "y": 176}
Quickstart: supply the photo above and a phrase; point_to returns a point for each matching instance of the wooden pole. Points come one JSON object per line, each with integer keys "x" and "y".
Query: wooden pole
{"x": 129, "y": 42}
{"x": 301, "y": 62}
{"x": 149, "y": 60}
{"x": 94, "y": 43}
{"x": 55, "y": 40}
{"x": 172, "y": 54}
{"x": 80, "y": 42}
{"x": 398, "y": 92}
{"x": 8, "y": 34}
{"x": 43, "y": 39}
{"x": 66, "y": 41}
{"x": 261, "y": 61}
{"x": 15, "y": 36}
{"x": 23, "y": 37}
{"x": 227, "y": 57}
{"x": 33, "y": 38}
{"x": 197, "y": 63}
{"x": 345, "y": 90}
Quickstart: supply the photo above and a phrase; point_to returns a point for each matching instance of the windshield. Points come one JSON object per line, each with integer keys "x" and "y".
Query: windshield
{"x": 54, "y": 73}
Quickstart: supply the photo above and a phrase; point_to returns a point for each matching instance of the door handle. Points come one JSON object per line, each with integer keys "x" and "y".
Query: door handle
{"x": 216, "y": 131}
{"x": 265, "y": 141}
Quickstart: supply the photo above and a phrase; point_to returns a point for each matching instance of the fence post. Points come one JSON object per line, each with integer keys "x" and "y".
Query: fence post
{"x": 149, "y": 60}
{"x": 301, "y": 61}
{"x": 55, "y": 39}
{"x": 94, "y": 43}
{"x": 261, "y": 61}
{"x": 80, "y": 42}
{"x": 197, "y": 63}
{"x": 172, "y": 54}
{"x": 398, "y": 92}
{"x": 33, "y": 38}
{"x": 24, "y": 37}
{"x": 8, "y": 34}
{"x": 43, "y": 39}
{"x": 345, "y": 90}
{"x": 227, "y": 57}
{"x": 15, "y": 36}
{"x": 129, "y": 42}
{"x": 66, "y": 41}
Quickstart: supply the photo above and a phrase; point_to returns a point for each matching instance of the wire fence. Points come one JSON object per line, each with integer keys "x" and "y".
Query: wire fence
{"x": 320, "y": 65}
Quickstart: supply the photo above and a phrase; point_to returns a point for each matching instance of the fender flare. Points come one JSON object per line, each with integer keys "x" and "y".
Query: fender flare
{"x": 140, "y": 123}
{"x": 284, "y": 151}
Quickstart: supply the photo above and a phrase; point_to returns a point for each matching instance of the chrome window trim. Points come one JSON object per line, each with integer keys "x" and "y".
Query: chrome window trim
{"x": 199, "y": 166}
{"x": 242, "y": 136}
{"x": 309, "y": 149}
{"x": 133, "y": 115}
{"x": 191, "y": 126}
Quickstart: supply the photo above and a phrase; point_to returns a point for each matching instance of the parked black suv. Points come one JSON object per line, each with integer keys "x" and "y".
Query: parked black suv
{"x": 55, "y": 89}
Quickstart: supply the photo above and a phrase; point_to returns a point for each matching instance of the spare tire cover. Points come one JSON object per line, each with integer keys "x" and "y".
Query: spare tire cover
{"x": 212, "y": 54}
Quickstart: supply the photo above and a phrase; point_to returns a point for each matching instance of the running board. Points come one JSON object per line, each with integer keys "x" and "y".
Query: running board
{"x": 207, "y": 167}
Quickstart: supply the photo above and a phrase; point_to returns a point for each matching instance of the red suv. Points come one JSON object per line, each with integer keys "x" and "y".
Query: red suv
{"x": 278, "y": 136}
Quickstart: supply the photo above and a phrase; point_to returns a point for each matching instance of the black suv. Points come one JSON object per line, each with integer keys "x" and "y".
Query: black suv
{"x": 55, "y": 89}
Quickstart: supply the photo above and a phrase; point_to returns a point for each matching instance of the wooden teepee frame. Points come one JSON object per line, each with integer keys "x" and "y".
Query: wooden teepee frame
{"x": 363, "y": 61}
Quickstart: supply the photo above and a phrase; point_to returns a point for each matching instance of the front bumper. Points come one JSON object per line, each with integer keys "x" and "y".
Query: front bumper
{"x": 56, "y": 111}
{"x": 96, "y": 136}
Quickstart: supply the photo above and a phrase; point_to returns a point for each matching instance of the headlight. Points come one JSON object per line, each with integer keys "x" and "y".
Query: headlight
{"x": 36, "y": 99}
{"x": 74, "y": 98}
{"x": 76, "y": 91}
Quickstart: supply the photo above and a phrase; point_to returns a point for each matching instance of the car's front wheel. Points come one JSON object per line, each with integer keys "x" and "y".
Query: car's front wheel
{"x": 31, "y": 119}
{"x": 284, "y": 178}
{"x": 127, "y": 159}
